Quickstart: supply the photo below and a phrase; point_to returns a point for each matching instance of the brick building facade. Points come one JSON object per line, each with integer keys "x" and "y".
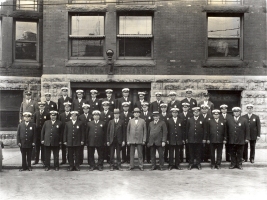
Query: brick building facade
{"x": 207, "y": 45}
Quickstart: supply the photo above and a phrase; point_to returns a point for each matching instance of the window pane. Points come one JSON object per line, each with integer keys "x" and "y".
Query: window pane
{"x": 135, "y": 47}
{"x": 135, "y": 25}
{"x": 87, "y": 25}
{"x": 228, "y": 2}
{"x": 85, "y": 47}
{"x": 26, "y": 5}
{"x": 224, "y": 27}
{"x": 223, "y": 47}
{"x": 135, "y": 1}
{"x": 0, "y": 40}
{"x": 26, "y": 37}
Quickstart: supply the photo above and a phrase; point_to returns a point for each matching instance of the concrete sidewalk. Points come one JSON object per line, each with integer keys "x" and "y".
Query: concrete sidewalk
{"x": 12, "y": 160}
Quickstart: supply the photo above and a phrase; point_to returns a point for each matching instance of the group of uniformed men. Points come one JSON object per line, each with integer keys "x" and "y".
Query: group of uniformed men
{"x": 118, "y": 124}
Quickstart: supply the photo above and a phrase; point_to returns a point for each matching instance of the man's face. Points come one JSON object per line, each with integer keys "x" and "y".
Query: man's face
{"x": 236, "y": 113}
{"x": 136, "y": 114}
{"x": 204, "y": 110}
{"x": 163, "y": 109}
{"x": 125, "y": 108}
{"x": 86, "y": 110}
{"x": 141, "y": 97}
{"x": 249, "y": 110}
{"x": 125, "y": 94}
{"x": 27, "y": 118}
{"x": 74, "y": 117}
{"x": 145, "y": 108}
{"x": 172, "y": 97}
{"x": 216, "y": 115}
{"x": 28, "y": 96}
{"x": 53, "y": 117}
{"x": 64, "y": 93}
{"x": 174, "y": 114}
{"x": 80, "y": 95}
{"x": 47, "y": 97}
{"x": 41, "y": 107}
{"x": 189, "y": 95}
{"x": 67, "y": 108}
{"x": 109, "y": 95}
{"x": 224, "y": 110}
{"x": 106, "y": 107}
{"x": 158, "y": 97}
{"x": 206, "y": 98}
{"x": 93, "y": 95}
{"x": 156, "y": 117}
{"x": 116, "y": 116}
{"x": 196, "y": 113}
{"x": 96, "y": 117}
{"x": 185, "y": 108}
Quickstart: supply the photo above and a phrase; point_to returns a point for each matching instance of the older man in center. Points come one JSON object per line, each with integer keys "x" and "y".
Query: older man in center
{"x": 136, "y": 138}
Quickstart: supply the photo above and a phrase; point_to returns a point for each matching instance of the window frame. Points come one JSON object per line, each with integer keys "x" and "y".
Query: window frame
{"x": 100, "y": 37}
{"x": 241, "y": 38}
{"x": 118, "y": 36}
{"x": 226, "y": 3}
{"x": 135, "y": 2}
{"x": 37, "y": 42}
{"x": 94, "y": 2}
{"x": 37, "y": 6}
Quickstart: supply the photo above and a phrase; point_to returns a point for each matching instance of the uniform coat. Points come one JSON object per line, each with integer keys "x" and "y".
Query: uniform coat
{"x": 138, "y": 104}
{"x": 94, "y": 105}
{"x": 61, "y": 101}
{"x": 192, "y": 102}
{"x": 210, "y": 104}
{"x": 51, "y": 106}
{"x": 95, "y": 134}
{"x": 31, "y": 107}
{"x": 77, "y": 106}
{"x": 111, "y": 104}
{"x": 174, "y": 104}
{"x": 206, "y": 147}
{"x": 155, "y": 106}
{"x": 52, "y": 133}
{"x": 26, "y": 135}
{"x": 121, "y": 100}
{"x": 176, "y": 136}
{"x": 73, "y": 133}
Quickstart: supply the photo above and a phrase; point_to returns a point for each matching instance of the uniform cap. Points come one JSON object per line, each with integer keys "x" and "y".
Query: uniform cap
{"x": 172, "y": 94}
{"x": 141, "y": 93}
{"x": 125, "y": 104}
{"x": 249, "y": 106}
{"x": 236, "y": 109}
{"x": 204, "y": 106}
{"x": 158, "y": 93}
{"x": 64, "y": 88}
{"x": 175, "y": 109}
{"x": 125, "y": 90}
{"x": 85, "y": 105}
{"x": 108, "y": 91}
{"x": 47, "y": 94}
{"x": 163, "y": 105}
{"x": 93, "y": 91}
{"x": 79, "y": 91}
{"x": 27, "y": 114}
{"x": 145, "y": 103}
{"x": 28, "y": 92}
{"x": 205, "y": 94}
{"x": 196, "y": 108}
{"x": 41, "y": 103}
{"x": 74, "y": 112}
{"x": 136, "y": 110}
{"x": 185, "y": 104}
{"x": 67, "y": 103}
{"x": 96, "y": 112}
{"x": 105, "y": 103}
{"x": 53, "y": 112}
{"x": 188, "y": 91}
{"x": 155, "y": 113}
{"x": 223, "y": 106}
{"x": 216, "y": 111}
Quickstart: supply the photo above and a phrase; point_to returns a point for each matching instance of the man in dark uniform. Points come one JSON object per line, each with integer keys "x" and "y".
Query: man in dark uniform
{"x": 175, "y": 139}
{"x": 238, "y": 133}
{"x": 110, "y": 99}
{"x": 64, "y": 118}
{"x": 124, "y": 98}
{"x": 84, "y": 118}
{"x": 49, "y": 105}
{"x": 147, "y": 116}
{"x": 224, "y": 116}
{"x": 165, "y": 116}
{"x": 185, "y": 116}
{"x": 28, "y": 105}
{"x": 141, "y": 100}
{"x": 157, "y": 137}
{"x": 39, "y": 119}
{"x": 77, "y": 103}
{"x": 207, "y": 102}
{"x": 195, "y": 137}
{"x": 192, "y": 102}
{"x": 63, "y": 99}
{"x": 173, "y": 103}
{"x": 51, "y": 138}
{"x": 216, "y": 137}
{"x": 95, "y": 139}
{"x": 155, "y": 105}
{"x": 95, "y": 103}
{"x": 255, "y": 132}
{"x": 26, "y": 138}
{"x": 105, "y": 116}
{"x": 125, "y": 116}
{"x": 73, "y": 139}
{"x": 116, "y": 138}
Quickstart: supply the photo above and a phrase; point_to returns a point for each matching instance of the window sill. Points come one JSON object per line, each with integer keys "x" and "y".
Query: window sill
{"x": 126, "y": 8}
{"x": 220, "y": 63}
{"x": 26, "y": 64}
{"x": 225, "y": 9}
{"x": 86, "y": 63}
{"x": 134, "y": 63}
{"x": 86, "y": 8}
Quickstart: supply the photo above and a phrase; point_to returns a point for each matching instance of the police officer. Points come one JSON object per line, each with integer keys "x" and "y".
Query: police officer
{"x": 95, "y": 103}
{"x": 141, "y": 100}
{"x": 192, "y": 102}
{"x": 173, "y": 103}
{"x": 155, "y": 105}
{"x": 77, "y": 103}
{"x": 65, "y": 98}
{"x": 49, "y": 105}
{"x": 125, "y": 98}
{"x": 110, "y": 99}
{"x": 28, "y": 105}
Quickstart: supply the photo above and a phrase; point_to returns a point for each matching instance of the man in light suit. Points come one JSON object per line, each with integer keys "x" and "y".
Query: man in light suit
{"x": 255, "y": 132}
{"x": 49, "y": 105}
{"x": 65, "y": 98}
{"x": 28, "y": 105}
{"x": 206, "y": 102}
{"x": 136, "y": 138}
{"x": 189, "y": 99}
{"x": 115, "y": 139}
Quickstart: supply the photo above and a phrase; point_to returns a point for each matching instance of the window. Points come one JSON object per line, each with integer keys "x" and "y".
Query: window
{"x": 227, "y": 2}
{"x": 0, "y": 39}
{"x": 135, "y": 36}
{"x": 224, "y": 37}
{"x": 26, "y": 5}
{"x": 89, "y": 1}
{"x": 26, "y": 40}
{"x": 87, "y": 36}
{"x": 136, "y": 1}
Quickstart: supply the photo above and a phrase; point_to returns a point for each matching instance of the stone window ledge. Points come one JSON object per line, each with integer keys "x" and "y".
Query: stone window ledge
{"x": 27, "y": 14}
{"x": 223, "y": 63}
{"x": 225, "y": 9}
{"x": 24, "y": 64}
{"x": 86, "y": 63}
{"x": 122, "y": 8}
{"x": 134, "y": 63}
{"x": 86, "y": 8}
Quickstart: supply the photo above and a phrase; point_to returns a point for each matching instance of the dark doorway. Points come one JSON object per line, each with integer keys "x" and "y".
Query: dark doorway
{"x": 228, "y": 97}
{"x": 9, "y": 109}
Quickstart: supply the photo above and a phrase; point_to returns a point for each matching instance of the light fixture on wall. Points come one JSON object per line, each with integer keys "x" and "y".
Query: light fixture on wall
{"x": 110, "y": 54}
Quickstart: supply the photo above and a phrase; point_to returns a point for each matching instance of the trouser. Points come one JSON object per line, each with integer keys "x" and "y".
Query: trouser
{"x": 236, "y": 154}
{"x": 74, "y": 155}
{"x": 166, "y": 151}
{"x": 38, "y": 147}
{"x": 153, "y": 155}
{"x": 181, "y": 153}
{"x": 26, "y": 157}
{"x": 195, "y": 152}
{"x": 227, "y": 152}
{"x": 48, "y": 150}
{"x": 81, "y": 155}
{"x": 107, "y": 153}
{"x": 125, "y": 151}
{"x": 187, "y": 153}
{"x": 175, "y": 149}
{"x": 146, "y": 153}
{"x": 252, "y": 144}
{"x": 205, "y": 152}
{"x": 117, "y": 146}
{"x": 91, "y": 158}
{"x": 64, "y": 153}
{"x": 140, "y": 154}
{"x": 213, "y": 148}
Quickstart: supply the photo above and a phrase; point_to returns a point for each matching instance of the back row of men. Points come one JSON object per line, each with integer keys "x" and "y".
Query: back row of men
{"x": 184, "y": 110}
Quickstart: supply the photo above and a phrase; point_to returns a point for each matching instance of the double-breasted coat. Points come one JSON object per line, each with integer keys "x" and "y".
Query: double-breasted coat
{"x": 176, "y": 135}
{"x": 112, "y": 103}
{"x": 195, "y": 130}
{"x": 116, "y": 130}
{"x": 51, "y": 105}
{"x": 237, "y": 132}
{"x": 157, "y": 133}
{"x": 73, "y": 133}
{"x": 121, "y": 100}
{"x": 39, "y": 120}
{"x": 254, "y": 126}
{"x": 216, "y": 132}
{"x": 192, "y": 102}
{"x": 61, "y": 101}
{"x": 31, "y": 107}
{"x": 52, "y": 133}
{"x": 184, "y": 119}
{"x": 155, "y": 106}
{"x": 26, "y": 135}
{"x": 95, "y": 135}
{"x": 136, "y": 133}
{"x": 94, "y": 105}
{"x": 174, "y": 104}
{"x": 77, "y": 106}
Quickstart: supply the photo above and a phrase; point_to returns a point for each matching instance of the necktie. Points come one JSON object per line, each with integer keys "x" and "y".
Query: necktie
{"x": 27, "y": 123}
{"x": 216, "y": 121}
{"x": 41, "y": 112}
{"x": 116, "y": 121}
{"x": 53, "y": 122}
{"x": 125, "y": 113}
{"x": 85, "y": 116}
{"x": 185, "y": 114}
{"x": 235, "y": 119}
{"x": 145, "y": 113}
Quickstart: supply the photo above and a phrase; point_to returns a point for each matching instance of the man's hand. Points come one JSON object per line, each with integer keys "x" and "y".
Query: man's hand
{"x": 107, "y": 143}
{"x": 183, "y": 142}
{"x": 82, "y": 143}
{"x": 208, "y": 141}
{"x": 144, "y": 143}
{"x": 33, "y": 144}
{"x": 204, "y": 141}
{"x": 258, "y": 137}
{"x": 65, "y": 143}
{"x": 19, "y": 144}
{"x": 163, "y": 144}
{"x": 20, "y": 121}
{"x": 59, "y": 143}
{"x": 186, "y": 141}
{"x": 224, "y": 141}
{"x": 246, "y": 141}
{"x": 128, "y": 143}
{"x": 43, "y": 142}
{"x": 167, "y": 142}
{"x": 123, "y": 144}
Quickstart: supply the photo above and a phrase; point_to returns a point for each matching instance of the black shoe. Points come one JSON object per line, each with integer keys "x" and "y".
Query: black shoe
{"x": 199, "y": 167}
{"x": 91, "y": 168}
{"x": 128, "y": 161}
{"x": 178, "y": 167}
{"x": 129, "y": 169}
{"x": 77, "y": 168}
{"x": 46, "y": 169}
{"x": 62, "y": 163}
{"x": 23, "y": 170}
{"x": 100, "y": 168}
{"x": 111, "y": 168}
{"x": 240, "y": 167}
{"x": 70, "y": 169}
{"x": 231, "y": 167}
{"x": 141, "y": 168}
{"x": 252, "y": 160}
{"x": 35, "y": 163}
{"x": 153, "y": 168}
{"x": 120, "y": 169}
{"x": 123, "y": 161}
{"x": 161, "y": 168}
{"x": 56, "y": 169}
{"x": 218, "y": 166}
{"x": 148, "y": 161}
{"x": 189, "y": 167}
{"x": 212, "y": 167}
{"x": 245, "y": 160}
{"x": 29, "y": 169}
{"x": 170, "y": 168}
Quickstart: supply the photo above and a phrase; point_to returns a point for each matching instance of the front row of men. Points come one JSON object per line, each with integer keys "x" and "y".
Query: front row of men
{"x": 137, "y": 132}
